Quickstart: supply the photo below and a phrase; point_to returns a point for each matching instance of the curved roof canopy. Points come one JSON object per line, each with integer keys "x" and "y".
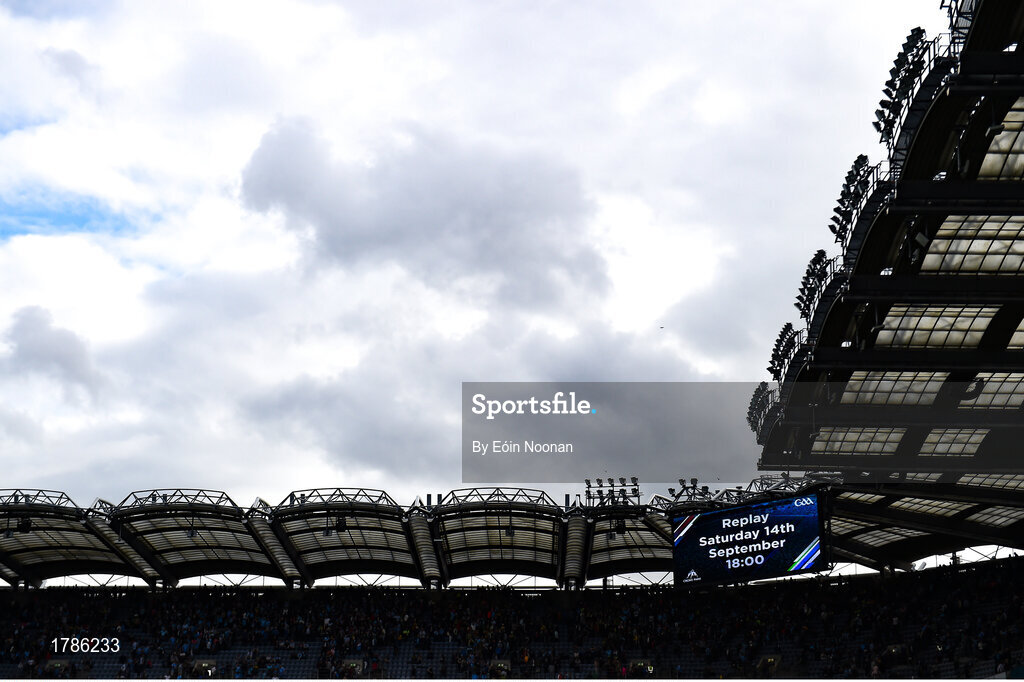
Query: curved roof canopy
{"x": 912, "y": 355}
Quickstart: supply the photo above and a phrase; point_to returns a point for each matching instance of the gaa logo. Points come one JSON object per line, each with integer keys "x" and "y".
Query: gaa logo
{"x": 803, "y": 502}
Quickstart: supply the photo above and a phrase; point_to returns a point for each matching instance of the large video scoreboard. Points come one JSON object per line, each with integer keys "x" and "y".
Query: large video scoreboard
{"x": 752, "y": 542}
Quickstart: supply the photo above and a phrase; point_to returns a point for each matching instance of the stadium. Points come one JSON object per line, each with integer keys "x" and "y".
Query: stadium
{"x": 891, "y": 434}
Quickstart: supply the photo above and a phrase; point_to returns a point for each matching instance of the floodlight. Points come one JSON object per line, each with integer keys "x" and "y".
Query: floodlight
{"x": 634, "y": 480}
{"x": 327, "y": 532}
{"x": 8, "y": 534}
{"x": 620, "y": 527}
{"x": 600, "y": 482}
{"x": 693, "y": 482}
{"x": 587, "y": 481}
{"x": 622, "y": 480}
{"x": 341, "y": 525}
{"x": 994, "y": 130}
{"x": 510, "y": 532}
{"x": 672, "y": 492}
{"x": 24, "y": 525}
{"x": 191, "y": 533}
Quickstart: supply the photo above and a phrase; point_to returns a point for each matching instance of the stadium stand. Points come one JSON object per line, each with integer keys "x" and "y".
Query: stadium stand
{"x": 958, "y": 621}
{"x": 900, "y": 400}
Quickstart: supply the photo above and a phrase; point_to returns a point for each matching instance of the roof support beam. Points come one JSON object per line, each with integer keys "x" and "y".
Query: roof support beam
{"x": 940, "y": 525}
{"x": 24, "y": 574}
{"x": 160, "y": 567}
{"x": 958, "y": 197}
{"x": 274, "y": 549}
{"x": 930, "y": 359}
{"x": 934, "y": 289}
{"x": 932, "y": 491}
{"x": 106, "y": 534}
{"x": 289, "y": 547}
{"x": 904, "y": 416}
{"x": 576, "y": 557}
{"x": 422, "y": 542}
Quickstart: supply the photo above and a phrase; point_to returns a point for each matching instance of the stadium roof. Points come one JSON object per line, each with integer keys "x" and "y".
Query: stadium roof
{"x": 907, "y": 376}
{"x": 164, "y": 536}
{"x": 911, "y": 358}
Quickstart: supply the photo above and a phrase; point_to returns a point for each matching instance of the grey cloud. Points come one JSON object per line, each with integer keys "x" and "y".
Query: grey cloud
{"x": 756, "y": 290}
{"x": 40, "y": 347}
{"x": 440, "y": 208}
{"x": 399, "y": 411}
{"x": 19, "y": 427}
{"x": 73, "y": 65}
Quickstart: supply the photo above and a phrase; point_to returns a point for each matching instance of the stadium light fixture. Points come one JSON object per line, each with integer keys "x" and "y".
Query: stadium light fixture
{"x": 510, "y": 532}
{"x": 327, "y": 532}
{"x": 587, "y": 481}
{"x": 634, "y": 480}
{"x": 600, "y": 482}
{"x": 341, "y": 525}
{"x": 694, "y": 481}
{"x": 622, "y": 480}
{"x": 8, "y": 534}
{"x": 24, "y": 525}
{"x": 191, "y": 533}
{"x": 672, "y": 492}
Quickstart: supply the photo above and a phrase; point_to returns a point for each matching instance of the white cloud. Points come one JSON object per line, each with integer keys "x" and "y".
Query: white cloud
{"x": 491, "y": 191}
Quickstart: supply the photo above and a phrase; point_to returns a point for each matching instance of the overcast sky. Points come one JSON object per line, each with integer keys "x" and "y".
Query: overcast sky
{"x": 257, "y": 247}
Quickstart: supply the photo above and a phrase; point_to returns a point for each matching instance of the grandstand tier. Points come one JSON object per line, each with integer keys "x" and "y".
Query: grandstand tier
{"x": 911, "y": 357}
{"x": 164, "y": 536}
{"x": 957, "y": 621}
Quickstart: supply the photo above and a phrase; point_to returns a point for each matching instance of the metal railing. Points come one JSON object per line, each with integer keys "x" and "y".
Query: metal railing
{"x": 879, "y": 177}
{"x": 177, "y": 496}
{"x": 369, "y": 496}
{"x": 938, "y": 54}
{"x": 961, "y": 18}
{"x": 27, "y": 496}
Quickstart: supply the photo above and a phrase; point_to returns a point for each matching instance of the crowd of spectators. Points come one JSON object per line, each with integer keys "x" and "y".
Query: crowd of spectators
{"x": 940, "y": 622}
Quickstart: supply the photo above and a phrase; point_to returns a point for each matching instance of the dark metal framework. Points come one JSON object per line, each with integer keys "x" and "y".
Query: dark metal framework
{"x": 907, "y": 382}
{"x": 163, "y": 536}
{"x": 912, "y": 359}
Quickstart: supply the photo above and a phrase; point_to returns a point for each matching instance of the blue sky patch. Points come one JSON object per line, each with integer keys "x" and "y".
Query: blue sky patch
{"x": 49, "y": 214}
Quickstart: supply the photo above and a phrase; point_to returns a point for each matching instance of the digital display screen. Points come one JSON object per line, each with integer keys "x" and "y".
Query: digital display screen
{"x": 752, "y": 542}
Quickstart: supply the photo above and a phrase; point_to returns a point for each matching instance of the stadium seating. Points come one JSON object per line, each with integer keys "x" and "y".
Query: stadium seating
{"x": 964, "y": 621}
